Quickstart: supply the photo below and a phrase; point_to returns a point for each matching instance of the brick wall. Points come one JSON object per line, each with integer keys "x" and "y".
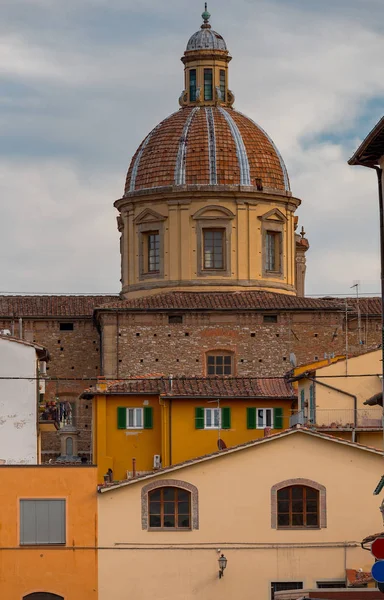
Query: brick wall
{"x": 139, "y": 344}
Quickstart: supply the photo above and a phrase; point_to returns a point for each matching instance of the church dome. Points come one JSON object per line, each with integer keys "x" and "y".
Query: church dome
{"x": 207, "y": 146}
{"x": 206, "y": 39}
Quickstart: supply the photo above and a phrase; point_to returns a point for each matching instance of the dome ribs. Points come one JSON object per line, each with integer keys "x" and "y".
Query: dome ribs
{"x": 197, "y": 167}
{"x": 228, "y": 169}
{"x": 157, "y": 163}
{"x": 207, "y": 146}
{"x": 242, "y": 156}
{"x": 265, "y": 160}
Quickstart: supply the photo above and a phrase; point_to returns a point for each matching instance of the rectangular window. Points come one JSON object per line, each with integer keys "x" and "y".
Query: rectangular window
{"x": 223, "y": 85}
{"x": 213, "y": 240}
{"x": 331, "y": 584}
{"x": 153, "y": 251}
{"x": 218, "y": 364}
{"x": 66, "y": 326}
{"x": 42, "y": 522}
{"x": 264, "y": 418}
{"x": 192, "y": 85}
{"x": 280, "y": 586}
{"x": 134, "y": 418}
{"x": 208, "y": 84}
{"x": 212, "y": 418}
{"x": 270, "y": 319}
{"x": 273, "y": 251}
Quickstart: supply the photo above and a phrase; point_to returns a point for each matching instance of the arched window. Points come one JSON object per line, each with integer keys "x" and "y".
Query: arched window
{"x": 169, "y": 508}
{"x": 298, "y": 503}
{"x": 220, "y": 362}
{"x": 169, "y": 504}
{"x": 43, "y": 596}
{"x": 298, "y": 506}
{"x": 69, "y": 447}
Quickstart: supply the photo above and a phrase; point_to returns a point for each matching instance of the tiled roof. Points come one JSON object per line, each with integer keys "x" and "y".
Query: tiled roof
{"x": 367, "y": 306}
{"x": 247, "y": 300}
{"x": 51, "y": 306}
{"x": 239, "y": 448}
{"x": 203, "y": 387}
{"x": 207, "y": 146}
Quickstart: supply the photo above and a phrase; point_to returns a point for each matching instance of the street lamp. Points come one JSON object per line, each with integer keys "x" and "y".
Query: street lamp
{"x": 222, "y": 565}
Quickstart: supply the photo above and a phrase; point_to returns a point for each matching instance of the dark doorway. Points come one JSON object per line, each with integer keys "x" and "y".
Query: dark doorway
{"x": 43, "y": 596}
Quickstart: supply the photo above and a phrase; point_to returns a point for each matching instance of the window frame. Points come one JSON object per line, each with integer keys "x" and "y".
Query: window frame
{"x": 276, "y": 251}
{"x": 213, "y": 230}
{"x": 298, "y": 585}
{"x": 143, "y": 229}
{"x": 223, "y": 84}
{"x": 275, "y": 222}
{"x": 42, "y": 543}
{"x": 135, "y": 410}
{"x": 192, "y": 86}
{"x": 175, "y": 514}
{"x": 304, "y": 512}
{"x": 213, "y": 410}
{"x": 265, "y": 411}
{"x": 208, "y": 84}
{"x": 220, "y": 354}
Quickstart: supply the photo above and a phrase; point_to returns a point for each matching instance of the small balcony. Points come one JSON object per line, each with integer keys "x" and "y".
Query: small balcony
{"x": 49, "y": 416}
{"x": 347, "y": 419}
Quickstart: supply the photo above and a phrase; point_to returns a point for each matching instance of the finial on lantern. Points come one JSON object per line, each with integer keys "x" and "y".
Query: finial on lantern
{"x": 302, "y": 233}
{"x": 206, "y": 16}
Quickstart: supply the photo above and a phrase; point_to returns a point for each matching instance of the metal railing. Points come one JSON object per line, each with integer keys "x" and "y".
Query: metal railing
{"x": 339, "y": 418}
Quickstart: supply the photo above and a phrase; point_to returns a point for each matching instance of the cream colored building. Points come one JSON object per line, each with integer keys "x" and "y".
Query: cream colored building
{"x": 334, "y": 398}
{"x": 290, "y": 508}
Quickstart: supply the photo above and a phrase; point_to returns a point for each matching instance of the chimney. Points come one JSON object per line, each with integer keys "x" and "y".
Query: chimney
{"x": 267, "y": 431}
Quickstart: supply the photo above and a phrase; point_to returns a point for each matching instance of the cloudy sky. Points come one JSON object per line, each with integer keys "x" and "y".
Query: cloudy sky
{"x": 83, "y": 81}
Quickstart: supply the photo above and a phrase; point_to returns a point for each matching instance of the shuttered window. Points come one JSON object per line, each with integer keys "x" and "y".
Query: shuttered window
{"x": 212, "y": 418}
{"x": 134, "y": 418}
{"x": 259, "y": 418}
{"x": 42, "y": 522}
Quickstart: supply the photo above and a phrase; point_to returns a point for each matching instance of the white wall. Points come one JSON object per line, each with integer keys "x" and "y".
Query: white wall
{"x": 18, "y": 403}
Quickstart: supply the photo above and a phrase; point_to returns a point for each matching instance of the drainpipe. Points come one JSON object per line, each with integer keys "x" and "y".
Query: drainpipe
{"x": 335, "y": 389}
{"x": 379, "y": 173}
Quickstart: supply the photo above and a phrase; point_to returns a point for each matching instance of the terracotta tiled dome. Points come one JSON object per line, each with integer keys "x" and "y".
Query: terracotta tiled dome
{"x": 207, "y": 146}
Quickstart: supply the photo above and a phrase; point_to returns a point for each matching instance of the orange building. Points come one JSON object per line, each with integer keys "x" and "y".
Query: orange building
{"x": 164, "y": 421}
{"x": 48, "y": 533}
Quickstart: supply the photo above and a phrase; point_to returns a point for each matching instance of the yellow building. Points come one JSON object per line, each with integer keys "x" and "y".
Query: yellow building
{"x": 48, "y": 541}
{"x": 285, "y": 511}
{"x": 339, "y": 397}
{"x": 159, "y": 421}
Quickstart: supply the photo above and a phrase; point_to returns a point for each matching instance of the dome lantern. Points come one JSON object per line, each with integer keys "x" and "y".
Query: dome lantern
{"x": 206, "y": 62}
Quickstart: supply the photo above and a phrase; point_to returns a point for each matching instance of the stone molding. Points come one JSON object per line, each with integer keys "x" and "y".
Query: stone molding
{"x": 184, "y": 485}
{"x": 299, "y": 481}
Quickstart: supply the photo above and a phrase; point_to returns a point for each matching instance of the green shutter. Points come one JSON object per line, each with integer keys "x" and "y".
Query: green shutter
{"x": 226, "y": 418}
{"x": 148, "y": 417}
{"x": 251, "y": 418}
{"x": 121, "y": 417}
{"x": 278, "y": 418}
{"x": 199, "y": 418}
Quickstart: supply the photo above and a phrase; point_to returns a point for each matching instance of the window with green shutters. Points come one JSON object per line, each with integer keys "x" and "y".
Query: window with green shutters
{"x": 259, "y": 418}
{"x": 134, "y": 418}
{"x": 212, "y": 418}
{"x": 311, "y": 404}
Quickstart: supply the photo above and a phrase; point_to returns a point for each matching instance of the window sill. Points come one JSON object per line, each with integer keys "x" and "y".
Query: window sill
{"x": 173, "y": 529}
{"x": 43, "y": 545}
{"x": 300, "y": 528}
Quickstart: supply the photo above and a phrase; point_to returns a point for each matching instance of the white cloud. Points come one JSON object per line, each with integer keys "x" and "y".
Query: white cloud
{"x": 92, "y": 90}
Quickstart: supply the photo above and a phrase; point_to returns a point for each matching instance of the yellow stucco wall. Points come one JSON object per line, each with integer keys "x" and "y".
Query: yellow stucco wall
{"x": 235, "y": 517}
{"x": 173, "y": 435}
{"x": 357, "y": 376}
{"x": 180, "y": 243}
{"x": 69, "y": 571}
